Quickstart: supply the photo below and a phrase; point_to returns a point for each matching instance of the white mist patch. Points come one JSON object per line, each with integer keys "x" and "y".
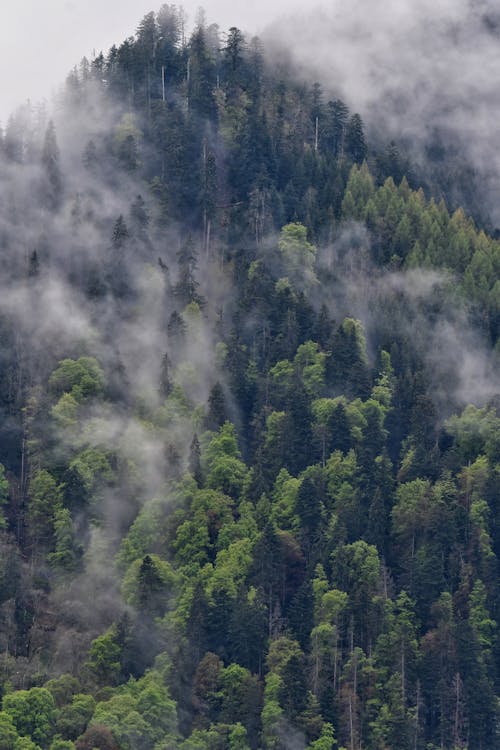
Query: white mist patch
{"x": 457, "y": 352}
{"x": 50, "y": 312}
{"x": 461, "y": 366}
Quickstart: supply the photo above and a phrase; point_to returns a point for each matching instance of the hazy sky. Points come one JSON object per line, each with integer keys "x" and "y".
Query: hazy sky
{"x": 40, "y": 41}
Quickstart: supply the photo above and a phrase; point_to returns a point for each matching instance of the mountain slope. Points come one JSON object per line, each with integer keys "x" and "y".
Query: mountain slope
{"x": 250, "y": 429}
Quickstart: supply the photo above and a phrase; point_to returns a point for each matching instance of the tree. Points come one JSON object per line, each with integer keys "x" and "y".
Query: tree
{"x": 33, "y": 712}
{"x": 63, "y": 688}
{"x": 309, "y": 508}
{"x": 232, "y": 60}
{"x": 59, "y": 744}
{"x": 206, "y": 687}
{"x": 361, "y": 189}
{"x": 355, "y": 144}
{"x": 139, "y": 215}
{"x": 186, "y": 289}
{"x": 170, "y": 27}
{"x": 126, "y": 143}
{"x": 74, "y": 717}
{"x": 348, "y": 364}
{"x": 293, "y": 692}
{"x": 67, "y": 550}
{"x": 82, "y": 378}
{"x": 120, "y": 233}
{"x": 53, "y": 187}
{"x": 326, "y": 741}
{"x": 480, "y": 620}
{"x": 217, "y": 411}
{"x": 410, "y": 516}
{"x": 104, "y": 657}
{"x": 97, "y": 737}
{"x": 298, "y": 254}
{"x": 195, "y": 460}
{"x": 24, "y": 743}
{"x": 44, "y": 505}
{"x": 166, "y": 384}
{"x": 208, "y": 195}
{"x": 336, "y": 122}
{"x": 8, "y": 732}
{"x": 4, "y": 496}
{"x": 148, "y": 585}
{"x": 201, "y": 77}
{"x": 356, "y": 570}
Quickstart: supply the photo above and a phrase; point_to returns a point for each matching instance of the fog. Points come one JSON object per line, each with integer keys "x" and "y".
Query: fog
{"x": 423, "y": 73}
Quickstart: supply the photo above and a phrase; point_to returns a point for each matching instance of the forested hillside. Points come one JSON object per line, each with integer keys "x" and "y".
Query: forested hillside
{"x": 250, "y": 418}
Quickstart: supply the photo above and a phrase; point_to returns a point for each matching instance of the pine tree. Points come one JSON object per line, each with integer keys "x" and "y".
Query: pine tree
{"x": 355, "y": 143}
{"x": 53, "y": 187}
{"x": 195, "y": 460}
{"x": 120, "y": 233}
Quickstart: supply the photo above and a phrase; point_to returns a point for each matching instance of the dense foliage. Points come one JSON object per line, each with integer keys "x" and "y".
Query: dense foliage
{"x": 250, "y": 435}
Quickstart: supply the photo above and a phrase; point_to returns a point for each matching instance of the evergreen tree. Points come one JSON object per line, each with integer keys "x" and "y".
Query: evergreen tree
{"x": 355, "y": 143}
{"x": 53, "y": 185}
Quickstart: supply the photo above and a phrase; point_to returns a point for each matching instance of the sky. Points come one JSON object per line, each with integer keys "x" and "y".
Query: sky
{"x": 41, "y": 41}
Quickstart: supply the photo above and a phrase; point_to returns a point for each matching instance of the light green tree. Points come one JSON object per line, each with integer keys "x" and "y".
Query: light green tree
{"x": 33, "y": 713}
{"x": 298, "y": 254}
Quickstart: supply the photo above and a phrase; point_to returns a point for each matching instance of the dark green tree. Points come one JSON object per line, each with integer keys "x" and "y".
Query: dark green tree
{"x": 355, "y": 143}
{"x": 53, "y": 183}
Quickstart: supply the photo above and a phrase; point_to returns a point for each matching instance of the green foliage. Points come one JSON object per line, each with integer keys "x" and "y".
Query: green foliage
{"x": 359, "y": 191}
{"x": 149, "y": 584}
{"x": 92, "y": 468}
{"x": 60, "y": 744}
{"x": 298, "y": 254}
{"x": 73, "y": 718}
{"x": 141, "y": 714}
{"x": 96, "y": 736}
{"x": 310, "y": 365}
{"x": 8, "y": 731}
{"x": 63, "y": 688}
{"x": 25, "y": 743}
{"x": 481, "y": 622}
{"x": 65, "y": 412}
{"x": 67, "y": 551}
{"x": 223, "y": 466}
{"x": 475, "y": 431}
{"x": 81, "y": 378}
{"x": 44, "y": 507}
{"x": 144, "y": 534}
{"x": 104, "y": 657}
{"x": 326, "y": 741}
{"x": 33, "y": 713}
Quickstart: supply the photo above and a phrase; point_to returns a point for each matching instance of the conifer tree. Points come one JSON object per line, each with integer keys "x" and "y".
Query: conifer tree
{"x": 53, "y": 187}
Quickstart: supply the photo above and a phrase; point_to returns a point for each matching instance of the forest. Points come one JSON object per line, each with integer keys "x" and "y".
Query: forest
{"x": 249, "y": 416}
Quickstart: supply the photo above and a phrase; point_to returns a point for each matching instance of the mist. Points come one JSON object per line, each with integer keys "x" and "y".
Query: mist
{"x": 414, "y": 305}
{"x": 51, "y": 259}
{"x": 424, "y": 74}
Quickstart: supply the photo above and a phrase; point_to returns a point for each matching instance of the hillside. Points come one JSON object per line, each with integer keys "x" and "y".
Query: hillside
{"x": 250, "y": 418}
